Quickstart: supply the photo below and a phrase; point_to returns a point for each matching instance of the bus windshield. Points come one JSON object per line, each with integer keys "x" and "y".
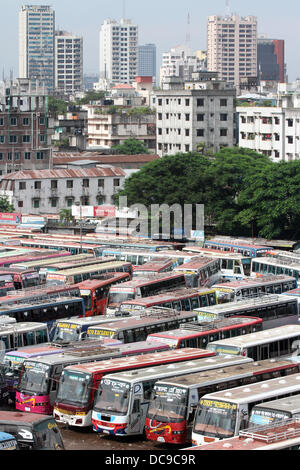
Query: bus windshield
{"x": 48, "y": 436}
{"x": 168, "y": 402}
{"x": 87, "y": 298}
{"x": 220, "y": 349}
{"x": 34, "y": 378}
{"x": 122, "y": 296}
{"x": 215, "y": 418}
{"x": 264, "y": 416}
{"x": 74, "y": 387}
{"x": 113, "y": 396}
{"x": 66, "y": 333}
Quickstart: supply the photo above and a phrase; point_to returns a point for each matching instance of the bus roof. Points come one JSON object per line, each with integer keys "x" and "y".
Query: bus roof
{"x": 21, "y": 326}
{"x": 281, "y": 262}
{"x": 245, "y": 304}
{"x": 289, "y": 404}
{"x": 229, "y": 373}
{"x": 253, "y": 282}
{"x": 171, "y": 370}
{"x": 195, "y": 263}
{"x": 83, "y": 269}
{"x": 105, "y": 278}
{"x": 257, "y": 391}
{"x": 57, "y": 259}
{"x": 142, "y": 281}
{"x": 40, "y": 303}
{"x": 17, "y": 417}
{"x": 126, "y": 363}
{"x": 168, "y": 296}
{"x": 155, "y": 265}
{"x": 275, "y": 436}
{"x": 261, "y": 337}
{"x": 198, "y": 251}
{"x": 33, "y": 351}
{"x": 236, "y": 242}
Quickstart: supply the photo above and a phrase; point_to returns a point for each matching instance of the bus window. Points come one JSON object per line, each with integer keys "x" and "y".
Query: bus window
{"x": 212, "y": 299}
{"x": 139, "y": 334}
{"x": 187, "y": 305}
{"x": 283, "y": 347}
{"x": 41, "y": 336}
{"x": 203, "y": 301}
{"x": 195, "y": 303}
{"x": 128, "y": 336}
{"x": 28, "y": 338}
{"x": 4, "y": 340}
{"x": 273, "y": 350}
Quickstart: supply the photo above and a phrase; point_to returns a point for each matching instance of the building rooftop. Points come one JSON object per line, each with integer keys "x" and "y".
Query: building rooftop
{"x": 65, "y": 173}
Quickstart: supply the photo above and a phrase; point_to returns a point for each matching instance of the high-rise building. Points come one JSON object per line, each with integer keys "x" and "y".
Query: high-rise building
{"x": 232, "y": 47}
{"x": 68, "y": 63}
{"x": 147, "y": 61}
{"x": 270, "y": 59}
{"x": 36, "y": 44}
{"x": 181, "y": 62}
{"x": 119, "y": 51}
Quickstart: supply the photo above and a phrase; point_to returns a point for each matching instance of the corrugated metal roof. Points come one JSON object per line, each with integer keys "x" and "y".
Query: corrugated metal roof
{"x": 108, "y": 159}
{"x": 65, "y": 173}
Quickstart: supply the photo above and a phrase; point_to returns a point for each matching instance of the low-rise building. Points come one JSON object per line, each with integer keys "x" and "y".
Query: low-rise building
{"x": 49, "y": 191}
{"x": 193, "y": 115}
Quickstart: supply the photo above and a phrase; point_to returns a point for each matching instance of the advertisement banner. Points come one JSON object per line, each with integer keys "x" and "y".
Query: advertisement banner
{"x": 7, "y": 218}
{"x": 104, "y": 211}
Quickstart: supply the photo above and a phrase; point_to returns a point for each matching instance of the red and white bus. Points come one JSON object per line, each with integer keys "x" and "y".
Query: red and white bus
{"x": 180, "y": 300}
{"x": 174, "y": 401}
{"x": 154, "y": 267}
{"x": 37, "y": 387}
{"x": 19, "y": 278}
{"x": 79, "y": 383}
{"x": 73, "y": 247}
{"x": 201, "y": 271}
{"x": 30, "y": 256}
{"x": 140, "y": 288}
{"x": 195, "y": 335}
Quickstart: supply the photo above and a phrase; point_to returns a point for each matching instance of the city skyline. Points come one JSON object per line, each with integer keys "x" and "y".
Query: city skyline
{"x": 164, "y": 24}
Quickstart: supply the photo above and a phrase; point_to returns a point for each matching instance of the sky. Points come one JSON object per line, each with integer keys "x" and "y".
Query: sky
{"x": 162, "y": 22}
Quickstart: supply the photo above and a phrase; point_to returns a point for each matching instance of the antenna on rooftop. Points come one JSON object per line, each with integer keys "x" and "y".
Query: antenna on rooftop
{"x": 228, "y": 13}
{"x": 188, "y": 34}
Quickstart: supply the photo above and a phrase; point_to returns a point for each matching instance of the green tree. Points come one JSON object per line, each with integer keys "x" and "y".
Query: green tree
{"x": 91, "y": 96}
{"x": 5, "y": 205}
{"x": 131, "y": 147}
{"x": 57, "y": 106}
{"x": 65, "y": 215}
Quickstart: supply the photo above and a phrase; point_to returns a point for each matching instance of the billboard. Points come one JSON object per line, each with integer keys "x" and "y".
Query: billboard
{"x": 7, "y": 218}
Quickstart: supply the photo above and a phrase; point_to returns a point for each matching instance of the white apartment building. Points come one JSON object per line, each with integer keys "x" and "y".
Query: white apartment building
{"x": 232, "y": 47}
{"x": 181, "y": 62}
{"x": 119, "y": 51}
{"x": 194, "y": 115}
{"x": 36, "y": 44}
{"x": 68, "y": 63}
{"x": 272, "y": 131}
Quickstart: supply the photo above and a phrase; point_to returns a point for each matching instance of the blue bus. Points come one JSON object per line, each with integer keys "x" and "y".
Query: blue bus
{"x": 236, "y": 246}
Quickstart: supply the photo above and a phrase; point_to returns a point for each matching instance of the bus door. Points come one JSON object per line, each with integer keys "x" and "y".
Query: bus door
{"x": 53, "y": 382}
{"x": 263, "y": 352}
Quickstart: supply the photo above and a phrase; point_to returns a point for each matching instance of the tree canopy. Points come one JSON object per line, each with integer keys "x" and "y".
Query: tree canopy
{"x": 130, "y": 147}
{"x": 244, "y": 192}
{"x": 5, "y": 205}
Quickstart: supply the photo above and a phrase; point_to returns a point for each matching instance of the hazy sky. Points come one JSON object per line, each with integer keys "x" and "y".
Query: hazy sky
{"x": 163, "y": 22}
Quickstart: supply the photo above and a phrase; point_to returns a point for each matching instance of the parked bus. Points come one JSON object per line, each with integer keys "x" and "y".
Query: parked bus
{"x": 174, "y": 401}
{"x": 78, "y": 383}
{"x": 29, "y": 258}
{"x": 283, "y": 435}
{"x": 140, "y": 288}
{"x": 95, "y": 292}
{"x": 180, "y": 300}
{"x": 200, "y": 271}
{"x": 76, "y": 275}
{"x": 152, "y": 268}
{"x": 73, "y": 247}
{"x": 236, "y": 246}
{"x": 195, "y": 335}
{"x": 267, "y": 344}
{"x": 236, "y": 290}
{"x": 122, "y": 399}
{"x": 19, "y": 278}
{"x": 4, "y": 392}
{"x": 40, "y": 293}
{"x": 45, "y": 311}
{"x": 7, "y": 441}
{"x": 272, "y": 309}
{"x": 223, "y": 414}
{"x": 70, "y": 264}
{"x": 21, "y": 334}
{"x": 32, "y": 432}
{"x": 138, "y": 258}
{"x": 37, "y": 387}
{"x": 268, "y": 265}
{"x": 273, "y": 411}
{"x": 137, "y": 328}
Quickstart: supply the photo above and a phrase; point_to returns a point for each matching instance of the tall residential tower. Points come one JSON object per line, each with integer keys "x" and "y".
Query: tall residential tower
{"x": 36, "y": 44}
{"x": 68, "y": 63}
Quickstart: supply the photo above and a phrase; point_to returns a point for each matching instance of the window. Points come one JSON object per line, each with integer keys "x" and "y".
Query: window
{"x": 36, "y": 203}
{"x": 69, "y": 184}
{"x": 290, "y": 139}
{"x": 187, "y": 117}
{"x": 187, "y": 132}
{"x": 200, "y": 102}
{"x": 20, "y": 203}
{"x": 85, "y": 183}
{"x": 200, "y": 117}
{"x": 223, "y": 117}
{"x": 25, "y": 121}
{"x": 26, "y": 139}
{"x": 223, "y": 102}
{"x": 53, "y": 184}
{"x": 116, "y": 183}
{"x": 101, "y": 183}
{"x": 2, "y": 139}
{"x": 200, "y": 132}
{"x": 223, "y": 132}
{"x": 13, "y": 139}
{"x": 27, "y": 156}
{"x": 22, "y": 185}
{"x": 37, "y": 185}
{"x": 13, "y": 121}
{"x": 53, "y": 202}
{"x": 187, "y": 102}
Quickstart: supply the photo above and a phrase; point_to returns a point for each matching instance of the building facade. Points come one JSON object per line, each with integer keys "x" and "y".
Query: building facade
{"x": 68, "y": 63}
{"x": 24, "y": 128}
{"x": 232, "y": 47}
{"x": 271, "y": 60}
{"x": 194, "y": 115}
{"x": 147, "y": 61}
{"x": 107, "y": 128}
{"x": 36, "y": 44}
{"x": 49, "y": 191}
{"x": 180, "y": 62}
{"x": 119, "y": 51}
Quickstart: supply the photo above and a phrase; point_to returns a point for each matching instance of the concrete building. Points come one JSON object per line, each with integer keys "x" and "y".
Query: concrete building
{"x": 147, "y": 61}
{"x": 119, "y": 51}
{"x": 24, "y": 128}
{"x": 180, "y": 62}
{"x": 272, "y": 131}
{"x": 194, "y": 114}
{"x": 49, "y": 191}
{"x": 232, "y": 47}
{"x": 271, "y": 60}
{"x": 36, "y": 44}
{"x": 70, "y": 131}
{"x": 110, "y": 126}
{"x": 68, "y": 63}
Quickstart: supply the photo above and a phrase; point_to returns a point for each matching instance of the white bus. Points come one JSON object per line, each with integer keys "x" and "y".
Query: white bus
{"x": 221, "y": 415}
{"x": 122, "y": 399}
{"x": 276, "y": 266}
{"x": 251, "y": 287}
{"x": 275, "y": 410}
{"x": 267, "y": 344}
{"x": 18, "y": 335}
{"x": 272, "y": 309}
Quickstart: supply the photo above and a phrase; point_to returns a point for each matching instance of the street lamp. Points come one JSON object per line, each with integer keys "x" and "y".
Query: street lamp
{"x": 78, "y": 203}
